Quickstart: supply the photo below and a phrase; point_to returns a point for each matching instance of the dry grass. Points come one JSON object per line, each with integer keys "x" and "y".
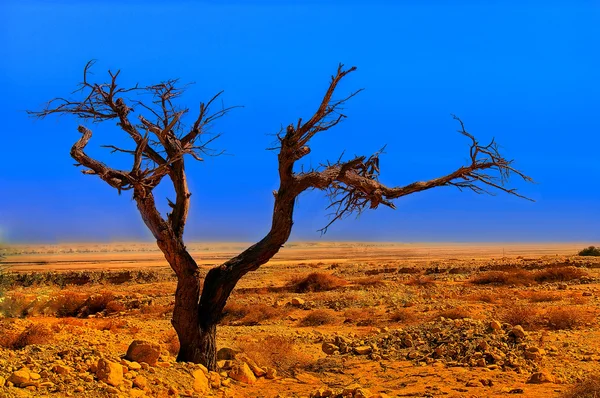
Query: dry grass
{"x": 236, "y": 314}
{"x": 17, "y": 305}
{"x": 559, "y": 274}
{"x": 543, "y": 297}
{"x": 370, "y": 282}
{"x": 503, "y": 278}
{"x": 526, "y": 316}
{"x": 455, "y": 313}
{"x": 170, "y": 340}
{"x": 318, "y": 318}
{"x": 275, "y": 352}
{"x": 588, "y": 388}
{"x": 402, "y": 315}
{"x": 316, "y": 282}
{"x": 421, "y": 281}
{"x": 489, "y": 298}
{"x": 34, "y": 333}
{"x": 566, "y": 318}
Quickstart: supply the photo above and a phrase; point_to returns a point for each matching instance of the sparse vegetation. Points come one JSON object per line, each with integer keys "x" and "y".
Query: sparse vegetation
{"x": 33, "y": 334}
{"x": 566, "y": 318}
{"x": 503, "y": 278}
{"x": 590, "y": 251}
{"x": 276, "y": 352}
{"x": 587, "y": 388}
{"x": 248, "y": 314}
{"x": 316, "y": 282}
{"x": 455, "y": 313}
{"x": 526, "y": 316}
{"x": 318, "y": 318}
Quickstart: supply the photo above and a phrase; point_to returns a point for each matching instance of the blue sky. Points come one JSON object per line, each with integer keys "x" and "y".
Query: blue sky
{"x": 524, "y": 72}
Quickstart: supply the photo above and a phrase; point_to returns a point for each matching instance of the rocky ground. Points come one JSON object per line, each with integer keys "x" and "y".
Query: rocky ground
{"x": 457, "y": 327}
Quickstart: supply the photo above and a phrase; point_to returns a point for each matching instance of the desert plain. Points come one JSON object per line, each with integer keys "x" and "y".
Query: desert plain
{"x": 321, "y": 319}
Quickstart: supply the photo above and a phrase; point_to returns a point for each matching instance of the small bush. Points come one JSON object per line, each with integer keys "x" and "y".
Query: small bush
{"x": 503, "y": 278}
{"x": 276, "y": 352}
{"x": 17, "y": 305}
{"x": 402, "y": 315}
{"x": 316, "y": 282}
{"x": 590, "y": 251}
{"x": 33, "y": 334}
{"x": 68, "y": 304}
{"x": 248, "y": 314}
{"x": 543, "y": 297}
{"x": 566, "y": 318}
{"x": 370, "y": 282}
{"x": 422, "y": 281}
{"x": 318, "y": 318}
{"x": 559, "y": 274}
{"x": 588, "y": 388}
{"x": 525, "y": 316}
{"x": 455, "y": 313}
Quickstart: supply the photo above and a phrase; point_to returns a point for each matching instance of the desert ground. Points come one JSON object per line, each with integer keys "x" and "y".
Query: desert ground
{"x": 321, "y": 319}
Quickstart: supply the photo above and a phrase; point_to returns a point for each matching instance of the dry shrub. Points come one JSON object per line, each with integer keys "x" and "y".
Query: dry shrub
{"x": 588, "y": 388}
{"x": 68, "y": 304}
{"x": 112, "y": 325}
{"x": 316, "y": 282}
{"x": 499, "y": 278}
{"x": 17, "y": 305}
{"x": 543, "y": 297}
{"x": 455, "y": 313}
{"x": 97, "y": 303}
{"x": 525, "y": 316}
{"x": 402, "y": 315}
{"x": 33, "y": 334}
{"x": 370, "y": 282}
{"x": 276, "y": 352}
{"x": 566, "y": 318}
{"x": 560, "y": 274}
{"x": 489, "y": 298}
{"x": 171, "y": 341}
{"x": 318, "y": 318}
{"x": 248, "y": 314}
{"x": 423, "y": 281}
{"x": 362, "y": 317}
{"x": 114, "y": 306}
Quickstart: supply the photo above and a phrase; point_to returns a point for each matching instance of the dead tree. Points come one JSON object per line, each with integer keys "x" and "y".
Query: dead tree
{"x": 161, "y": 145}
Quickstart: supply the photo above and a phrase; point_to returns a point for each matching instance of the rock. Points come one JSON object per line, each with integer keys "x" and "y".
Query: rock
{"x": 109, "y": 372}
{"x": 363, "y": 350}
{"x": 351, "y": 389}
{"x": 2, "y": 381}
{"x": 133, "y": 365}
{"x": 200, "y": 382}
{"x": 62, "y": 369}
{"x": 518, "y": 332}
{"x": 136, "y": 393}
{"x": 226, "y": 353}
{"x": 271, "y": 373}
{"x": 257, "y": 370}
{"x": 540, "y": 377}
{"x": 140, "y": 382}
{"x": 474, "y": 383}
{"x": 215, "y": 379}
{"x": 241, "y": 372}
{"x": 143, "y": 351}
{"x": 495, "y": 325}
{"x": 19, "y": 377}
{"x": 297, "y": 302}
{"x": 322, "y": 393}
{"x": 362, "y": 393}
{"x": 329, "y": 348}
{"x": 281, "y": 303}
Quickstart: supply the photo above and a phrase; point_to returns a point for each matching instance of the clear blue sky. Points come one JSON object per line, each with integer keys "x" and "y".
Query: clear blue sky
{"x": 524, "y": 72}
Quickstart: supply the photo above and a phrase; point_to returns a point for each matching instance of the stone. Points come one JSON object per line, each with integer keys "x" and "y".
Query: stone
{"x": 140, "y": 382}
{"x": 329, "y": 348}
{"x": 19, "y": 377}
{"x": 226, "y": 353}
{"x": 271, "y": 373}
{"x": 135, "y": 393}
{"x": 200, "y": 385}
{"x": 363, "y": 350}
{"x": 62, "y": 369}
{"x": 474, "y": 383}
{"x": 242, "y": 372}
{"x": 215, "y": 379}
{"x": 540, "y": 377}
{"x": 143, "y": 351}
{"x": 297, "y": 302}
{"x": 495, "y": 325}
{"x": 2, "y": 381}
{"x": 257, "y": 370}
{"x": 518, "y": 332}
{"x": 109, "y": 372}
{"x": 362, "y": 393}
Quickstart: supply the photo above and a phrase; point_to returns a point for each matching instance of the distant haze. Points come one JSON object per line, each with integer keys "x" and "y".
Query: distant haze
{"x": 524, "y": 72}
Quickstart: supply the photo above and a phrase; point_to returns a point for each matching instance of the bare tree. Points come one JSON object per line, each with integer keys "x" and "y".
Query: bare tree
{"x": 161, "y": 145}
